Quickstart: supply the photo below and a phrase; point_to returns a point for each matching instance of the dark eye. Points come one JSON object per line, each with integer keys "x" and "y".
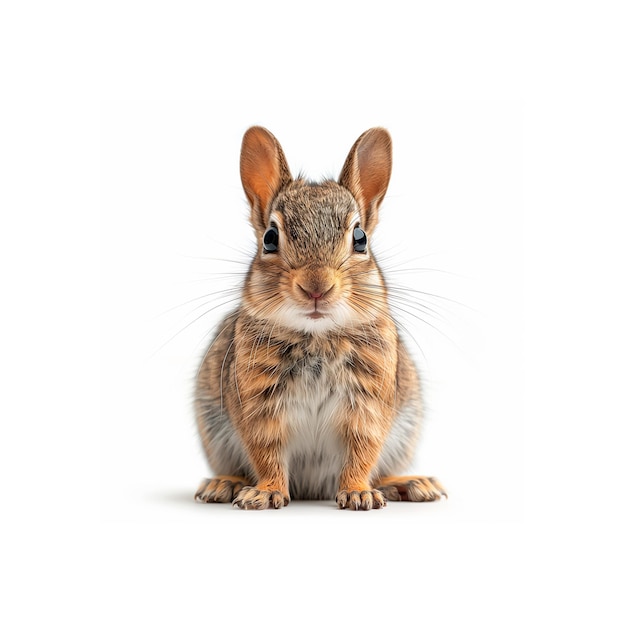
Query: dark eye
{"x": 270, "y": 239}
{"x": 360, "y": 240}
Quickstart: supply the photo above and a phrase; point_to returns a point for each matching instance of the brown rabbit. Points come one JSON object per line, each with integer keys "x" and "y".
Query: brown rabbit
{"x": 307, "y": 391}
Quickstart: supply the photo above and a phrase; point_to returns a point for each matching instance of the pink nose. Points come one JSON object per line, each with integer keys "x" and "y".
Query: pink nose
{"x": 317, "y": 294}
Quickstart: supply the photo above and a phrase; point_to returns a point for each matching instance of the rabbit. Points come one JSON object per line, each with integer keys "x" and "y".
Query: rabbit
{"x": 306, "y": 390}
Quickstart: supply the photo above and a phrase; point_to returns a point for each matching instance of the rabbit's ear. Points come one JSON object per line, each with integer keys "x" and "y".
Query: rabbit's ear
{"x": 366, "y": 173}
{"x": 264, "y": 171}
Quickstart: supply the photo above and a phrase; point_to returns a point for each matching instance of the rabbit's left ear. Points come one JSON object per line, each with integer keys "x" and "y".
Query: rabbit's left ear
{"x": 366, "y": 173}
{"x": 264, "y": 171}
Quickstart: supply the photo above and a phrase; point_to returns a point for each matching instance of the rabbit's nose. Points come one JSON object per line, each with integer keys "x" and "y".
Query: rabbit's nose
{"x": 317, "y": 293}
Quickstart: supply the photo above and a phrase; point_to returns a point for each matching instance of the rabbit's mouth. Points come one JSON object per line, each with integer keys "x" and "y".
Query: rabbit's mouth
{"x": 311, "y": 319}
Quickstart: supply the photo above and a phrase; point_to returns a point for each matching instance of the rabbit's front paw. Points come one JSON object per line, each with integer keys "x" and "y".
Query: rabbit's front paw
{"x": 361, "y": 500}
{"x": 253, "y": 498}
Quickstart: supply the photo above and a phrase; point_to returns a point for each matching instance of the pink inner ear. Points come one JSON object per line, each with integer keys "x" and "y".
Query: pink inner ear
{"x": 367, "y": 171}
{"x": 264, "y": 171}
{"x": 259, "y": 167}
{"x": 374, "y": 165}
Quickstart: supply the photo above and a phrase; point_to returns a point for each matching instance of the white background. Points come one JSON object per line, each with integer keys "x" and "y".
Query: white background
{"x": 122, "y": 126}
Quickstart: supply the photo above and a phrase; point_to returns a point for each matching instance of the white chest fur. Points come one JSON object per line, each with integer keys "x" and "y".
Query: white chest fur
{"x": 314, "y": 452}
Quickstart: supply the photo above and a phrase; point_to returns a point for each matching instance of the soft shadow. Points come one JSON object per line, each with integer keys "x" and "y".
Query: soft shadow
{"x": 185, "y": 498}
{"x": 173, "y": 497}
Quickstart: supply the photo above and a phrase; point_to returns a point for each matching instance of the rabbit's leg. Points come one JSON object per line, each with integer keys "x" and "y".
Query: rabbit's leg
{"x": 411, "y": 488}
{"x": 264, "y": 438}
{"x": 258, "y": 413}
{"x": 271, "y": 490}
{"x": 221, "y": 488}
{"x": 363, "y": 449}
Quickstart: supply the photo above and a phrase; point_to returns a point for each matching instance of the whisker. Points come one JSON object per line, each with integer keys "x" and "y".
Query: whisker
{"x": 393, "y": 298}
{"x": 217, "y": 276}
{"x": 192, "y": 322}
{"x": 418, "y": 291}
{"x": 210, "y": 258}
{"x": 230, "y": 291}
{"x": 206, "y": 352}
{"x": 408, "y": 270}
{"x": 384, "y": 312}
{"x": 421, "y": 319}
{"x": 222, "y": 375}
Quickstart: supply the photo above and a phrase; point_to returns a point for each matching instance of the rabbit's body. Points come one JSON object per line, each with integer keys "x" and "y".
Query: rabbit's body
{"x": 306, "y": 390}
{"x": 316, "y": 379}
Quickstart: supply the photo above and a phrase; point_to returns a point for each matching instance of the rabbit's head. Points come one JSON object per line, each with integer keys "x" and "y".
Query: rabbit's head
{"x": 313, "y": 271}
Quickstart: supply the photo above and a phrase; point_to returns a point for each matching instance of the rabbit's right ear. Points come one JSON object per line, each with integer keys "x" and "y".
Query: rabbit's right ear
{"x": 366, "y": 173}
{"x": 264, "y": 171}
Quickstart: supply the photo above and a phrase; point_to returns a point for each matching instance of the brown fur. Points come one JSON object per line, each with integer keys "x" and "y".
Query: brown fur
{"x": 309, "y": 372}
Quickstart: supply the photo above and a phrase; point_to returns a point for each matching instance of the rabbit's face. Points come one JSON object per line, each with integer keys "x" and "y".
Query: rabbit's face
{"x": 313, "y": 271}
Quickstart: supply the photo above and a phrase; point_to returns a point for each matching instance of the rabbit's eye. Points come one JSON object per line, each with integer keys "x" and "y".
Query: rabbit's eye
{"x": 270, "y": 239}
{"x": 360, "y": 240}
